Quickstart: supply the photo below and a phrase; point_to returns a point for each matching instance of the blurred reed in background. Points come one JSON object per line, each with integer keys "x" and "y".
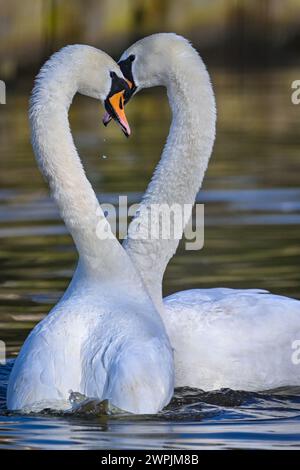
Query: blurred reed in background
{"x": 238, "y": 33}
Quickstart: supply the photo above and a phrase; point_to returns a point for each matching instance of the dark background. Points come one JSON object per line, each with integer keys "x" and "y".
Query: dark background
{"x": 235, "y": 33}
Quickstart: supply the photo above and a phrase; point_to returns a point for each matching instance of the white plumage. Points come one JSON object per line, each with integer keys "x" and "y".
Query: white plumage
{"x": 104, "y": 338}
{"x": 242, "y": 339}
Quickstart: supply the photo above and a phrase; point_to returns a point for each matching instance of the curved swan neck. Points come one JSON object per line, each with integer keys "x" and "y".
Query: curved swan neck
{"x": 57, "y": 157}
{"x": 179, "y": 174}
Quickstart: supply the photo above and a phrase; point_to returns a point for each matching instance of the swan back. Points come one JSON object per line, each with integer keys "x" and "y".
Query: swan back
{"x": 240, "y": 339}
{"x": 105, "y": 342}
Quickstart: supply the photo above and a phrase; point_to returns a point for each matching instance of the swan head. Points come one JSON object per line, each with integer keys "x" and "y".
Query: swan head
{"x": 152, "y": 61}
{"x": 100, "y": 77}
{"x": 88, "y": 71}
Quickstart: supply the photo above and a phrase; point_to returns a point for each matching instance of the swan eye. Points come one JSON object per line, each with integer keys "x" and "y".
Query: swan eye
{"x": 131, "y": 57}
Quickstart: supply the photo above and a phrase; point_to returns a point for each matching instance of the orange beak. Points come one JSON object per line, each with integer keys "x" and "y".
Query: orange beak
{"x": 107, "y": 117}
{"x": 115, "y": 108}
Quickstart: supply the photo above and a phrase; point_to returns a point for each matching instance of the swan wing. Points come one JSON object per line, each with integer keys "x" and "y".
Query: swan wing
{"x": 241, "y": 339}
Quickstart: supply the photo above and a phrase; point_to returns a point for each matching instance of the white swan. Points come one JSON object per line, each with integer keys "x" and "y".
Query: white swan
{"x": 242, "y": 339}
{"x": 104, "y": 338}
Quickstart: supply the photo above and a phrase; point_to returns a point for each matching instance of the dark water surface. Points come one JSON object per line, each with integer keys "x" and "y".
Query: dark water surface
{"x": 252, "y": 239}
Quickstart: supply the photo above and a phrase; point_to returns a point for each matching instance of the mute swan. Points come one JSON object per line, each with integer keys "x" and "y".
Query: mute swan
{"x": 242, "y": 339}
{"x": 104, "y": 338}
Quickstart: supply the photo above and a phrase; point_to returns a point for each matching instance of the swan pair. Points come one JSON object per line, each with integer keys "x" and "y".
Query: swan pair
{"x": 107, "y": 338}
